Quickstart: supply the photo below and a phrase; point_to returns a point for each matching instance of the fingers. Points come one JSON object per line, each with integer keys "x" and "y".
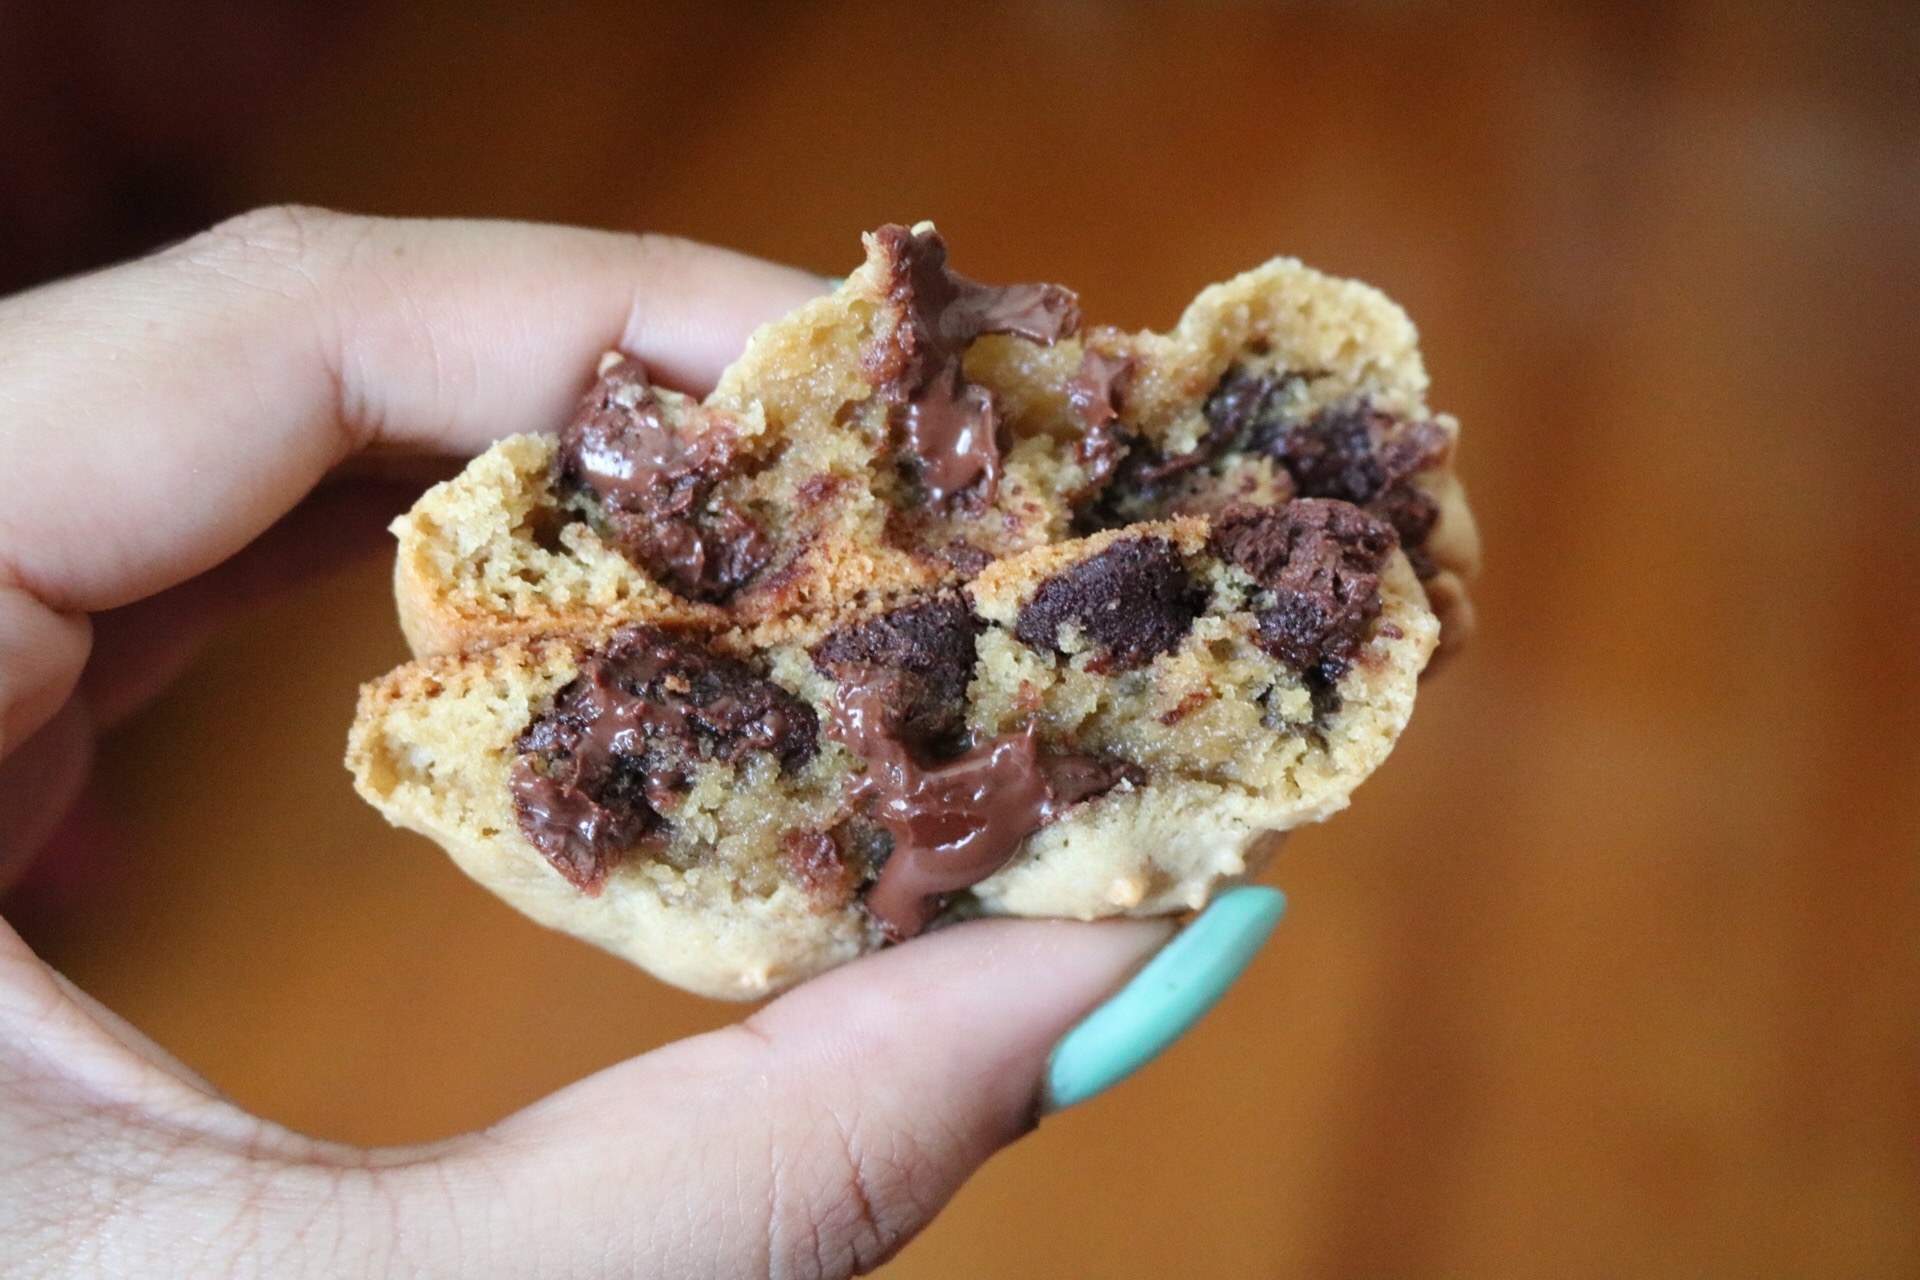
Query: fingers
{"x": 156, "y": 416}
{"x": 814, "y": 1139}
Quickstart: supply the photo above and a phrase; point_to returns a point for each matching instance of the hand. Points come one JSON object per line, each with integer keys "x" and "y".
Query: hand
{"x": 183, "y": 434}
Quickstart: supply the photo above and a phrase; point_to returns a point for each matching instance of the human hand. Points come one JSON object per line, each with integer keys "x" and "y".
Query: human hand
{"x": 183, "y": 434}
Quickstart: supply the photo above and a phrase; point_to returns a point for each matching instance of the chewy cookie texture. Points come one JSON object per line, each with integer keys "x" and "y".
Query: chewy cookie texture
{"x": 942, "y": 603}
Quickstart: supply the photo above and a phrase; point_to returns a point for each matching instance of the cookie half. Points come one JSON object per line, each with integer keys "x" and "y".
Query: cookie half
{"x": 901, "y": 433}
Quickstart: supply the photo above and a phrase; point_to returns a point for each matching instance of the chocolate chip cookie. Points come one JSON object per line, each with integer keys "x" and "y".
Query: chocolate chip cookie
{"x": 942, "y": 603}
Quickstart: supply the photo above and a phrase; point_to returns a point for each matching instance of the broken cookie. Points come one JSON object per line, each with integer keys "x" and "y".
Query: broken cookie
{"x": 940, "y": 604}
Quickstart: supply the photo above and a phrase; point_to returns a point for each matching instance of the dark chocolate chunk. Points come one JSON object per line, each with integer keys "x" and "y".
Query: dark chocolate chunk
{"x": 950, "y": 427}
{"x": 1239, "y": 410}
{"x": 1320, "y": 560}
{"x": 1241, "y": 407}
{"x": 607, "y": 764}
{"x": 655, "y": 489}
{"x": 1412, "y": 512}
{"x": 953, "y": 823}
{"x": 923, "y": 656}
{"x": 1360, "y": 454}
{"x": 1331, "y": 455}
{"x": 1133, "y": 601}
{"x": 964, "y": 558}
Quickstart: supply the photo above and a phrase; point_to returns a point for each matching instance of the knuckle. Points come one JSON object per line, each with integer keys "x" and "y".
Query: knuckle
{"x": 660, "y": 244}
{"x": 663, "y": 253}
{"x": 275, "y": 245}
{"x": 275, "y": 230}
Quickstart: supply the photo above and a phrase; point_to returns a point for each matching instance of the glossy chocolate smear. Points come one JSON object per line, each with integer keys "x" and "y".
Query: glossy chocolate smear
{"x": 1131, "y": 602}
{"x": 1320, "y": 560}
{"x": 950, "y": 427}
{"x": 655, "y": 488}
{"x": 607, "y": 765}
{"x": 955, "y": 823}
{"x": 1094, "y": 394}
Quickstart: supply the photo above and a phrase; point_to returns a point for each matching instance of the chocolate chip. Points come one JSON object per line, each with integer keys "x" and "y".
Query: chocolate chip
{"x": 1240, "y": 407}
{"x": 1133, "y": 601}
{"x": 1352, "y": 451}
{"x": 1361, "y": 454}
{"x": 924, "y": 653}
{"x": 1320, "y": 560}
{"x": 1412, "y": 512}
{"x": 815, "y": 859}
{"x": 1331, "y": 455}
{"x": 1074, "y": 778}
{"x": 964, "y": 558}
{"x": 607, "y": 764}
{"x": 656, "y": 490}
{"x": 950, "y": 427}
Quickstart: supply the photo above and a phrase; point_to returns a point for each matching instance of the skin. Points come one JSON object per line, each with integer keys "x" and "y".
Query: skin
{"x": 184, "y": 434}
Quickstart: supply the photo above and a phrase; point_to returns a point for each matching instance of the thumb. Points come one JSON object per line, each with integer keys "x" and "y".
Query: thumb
{"x": 813, "y": 1139}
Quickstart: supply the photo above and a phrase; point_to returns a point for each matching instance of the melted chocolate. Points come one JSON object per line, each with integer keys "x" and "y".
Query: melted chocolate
{"x": 655, "y": 489}
{"x": 606, "y": 766}
{"x": 951, "y": 427}
{"x": 1132, "y": 602}
{"x": 953, "y": 824}
{"x": 1094, "y": 394}
{"x": 1320, "y": 559}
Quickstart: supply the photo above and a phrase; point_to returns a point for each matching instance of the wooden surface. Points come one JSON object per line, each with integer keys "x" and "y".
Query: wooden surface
{"x": 1613, "y": 970}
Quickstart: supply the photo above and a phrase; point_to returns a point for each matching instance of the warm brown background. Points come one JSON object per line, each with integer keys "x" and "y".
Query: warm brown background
{"x": 1613, "y": 971}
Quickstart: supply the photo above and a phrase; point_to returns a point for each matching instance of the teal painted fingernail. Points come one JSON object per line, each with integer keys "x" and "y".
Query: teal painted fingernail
{"x": 1165, "y": 999}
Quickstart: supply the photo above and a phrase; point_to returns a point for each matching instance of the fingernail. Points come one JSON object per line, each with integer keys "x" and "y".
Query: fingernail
{"x": 1165, "y": 999}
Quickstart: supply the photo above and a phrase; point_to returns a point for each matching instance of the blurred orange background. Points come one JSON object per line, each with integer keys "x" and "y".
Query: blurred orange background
{"x": 1613, "y": 970}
